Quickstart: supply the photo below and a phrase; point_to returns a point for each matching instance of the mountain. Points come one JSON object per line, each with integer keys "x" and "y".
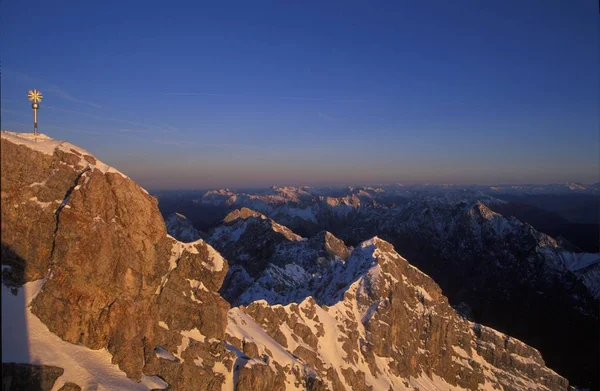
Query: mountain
{"x": 555, "y": 188}
{"x": 181, "y": 228}
{"x": 97, "y": 294}
{"x": 499, "y": 271}
{"x": 380, "y": 324}
{"x": 270, "y": 262}
{"x": 93, "y": 284}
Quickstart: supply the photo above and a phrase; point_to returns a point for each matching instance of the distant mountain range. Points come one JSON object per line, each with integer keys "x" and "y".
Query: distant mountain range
{"x": 494, "y": 269}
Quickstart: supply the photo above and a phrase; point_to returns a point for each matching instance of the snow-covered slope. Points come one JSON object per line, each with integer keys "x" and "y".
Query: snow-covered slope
{"x": 181, "y": 228}
{"x": 49, "y": 146}
{"x": 380, "y": 329}
{"x": 25, "y": 339}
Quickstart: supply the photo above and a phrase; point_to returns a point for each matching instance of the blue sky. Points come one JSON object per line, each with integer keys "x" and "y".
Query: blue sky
{"x": 194, "y": 95}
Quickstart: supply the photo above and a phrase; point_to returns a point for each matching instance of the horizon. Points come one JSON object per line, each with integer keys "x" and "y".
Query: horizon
{"x": 254, "y": 96}
{"x": 459, "y": 186}
{"x": 368, "y": 185}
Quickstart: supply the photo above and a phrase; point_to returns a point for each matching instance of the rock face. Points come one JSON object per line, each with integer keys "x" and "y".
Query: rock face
{"x": 29, "y": 377}
{"x": 318, "y": 314}
{"x": 519, "y": 280}
{"x": 112, "y": 274}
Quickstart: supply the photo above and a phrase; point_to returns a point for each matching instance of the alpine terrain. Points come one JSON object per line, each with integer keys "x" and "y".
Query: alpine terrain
{"x": 294, "y": 289}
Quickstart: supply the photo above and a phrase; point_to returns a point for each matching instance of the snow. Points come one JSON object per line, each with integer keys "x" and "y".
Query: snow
{"x": 578, "y": 261}
{"x": 305, "y": 214}
{"x": 243, "y": 327}
{"x": 25, "y": 339}
{"x": 181, "y": 228}
{"x": 347, "y": 313}
{"x": 43, "y": 183}
{"x": 194, "y": 334}
{"x": 191, "y": 247}
{"x": 176, "y": 251}
{"x": 423, "y": 293}
{"x": 362, "y": 269}
{"x": 434, "y": 382}
{"x": 229, "y": 233}
{"x": 285, "y": 231}
{"x": 154, "y": 382}
{"x": 42, "y": 204}
{"x": 41, "y": 142}
{"x": 163, "y": 325}
{"x": 586, "y": 266}
{"x": 195, "y": 284}
{"x": 330, "y": 345}
{"x": 216, "y": 259}
{"x": 461, "y": 352}
{"x": 164, "y": 353}
{"x": 185, "y": 342}
{"x": 47, "y": 145}
{"x": 222, "y": 369}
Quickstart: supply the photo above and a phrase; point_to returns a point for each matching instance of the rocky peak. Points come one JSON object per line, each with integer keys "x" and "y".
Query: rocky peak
{"x": 219, "y": 197}
{"x": 350, "y": 200}
{"x": 387, "y": 327}
{"x": 327, "y": 241}
{"x": 271, "y": 261}
{"x": 481, "y": 210}
{"x": 181, "y": 228}
{"x": 110, "y": 275}
{"x": 242, "y": 213}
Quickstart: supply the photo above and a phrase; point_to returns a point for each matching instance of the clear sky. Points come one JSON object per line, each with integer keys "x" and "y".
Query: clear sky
{"x": 253, "y": 93}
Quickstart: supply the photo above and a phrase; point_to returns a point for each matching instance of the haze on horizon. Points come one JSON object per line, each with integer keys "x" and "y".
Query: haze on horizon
{"x": 196, "y": 95}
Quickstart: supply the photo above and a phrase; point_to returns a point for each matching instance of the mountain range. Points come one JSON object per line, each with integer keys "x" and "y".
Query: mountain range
{"x": 292, "y": 289}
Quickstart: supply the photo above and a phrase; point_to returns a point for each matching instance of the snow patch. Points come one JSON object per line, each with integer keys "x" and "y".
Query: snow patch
{"x": 25, "y": 339}
{"x": 194, "y": 334}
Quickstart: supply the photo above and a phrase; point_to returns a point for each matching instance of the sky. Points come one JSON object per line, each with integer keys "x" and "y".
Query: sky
{"x": 183, "y": 95}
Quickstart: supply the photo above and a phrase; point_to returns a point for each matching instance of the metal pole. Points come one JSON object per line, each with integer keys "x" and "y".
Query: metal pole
{"x": 35, "y": 132}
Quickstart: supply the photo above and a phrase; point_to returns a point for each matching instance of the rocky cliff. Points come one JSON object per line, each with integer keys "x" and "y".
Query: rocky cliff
{"x": 112, "y": 277}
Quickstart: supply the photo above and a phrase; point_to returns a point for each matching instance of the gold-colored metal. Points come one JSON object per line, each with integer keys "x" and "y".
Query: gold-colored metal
{"x": 35, "y": 96}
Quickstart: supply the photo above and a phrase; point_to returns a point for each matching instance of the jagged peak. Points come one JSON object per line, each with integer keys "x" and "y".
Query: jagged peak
{"x": 378, "y": 251}
{"x": 219, "y": 192}
{"x": 243, "y": 213}
{"x": 282, "y": 229}
{"x": 377, "y": 242}
{"x": 215, "y": 257}
{"x": 331, "y": 243}
{"x": 177, "y": 215}
{"x": 348, "y": 200}
{"x": 239, "y": 219}
{"x": 484, "y": 211}
{"x": 325, "y": 236}
{"x": 179, "y": 226}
